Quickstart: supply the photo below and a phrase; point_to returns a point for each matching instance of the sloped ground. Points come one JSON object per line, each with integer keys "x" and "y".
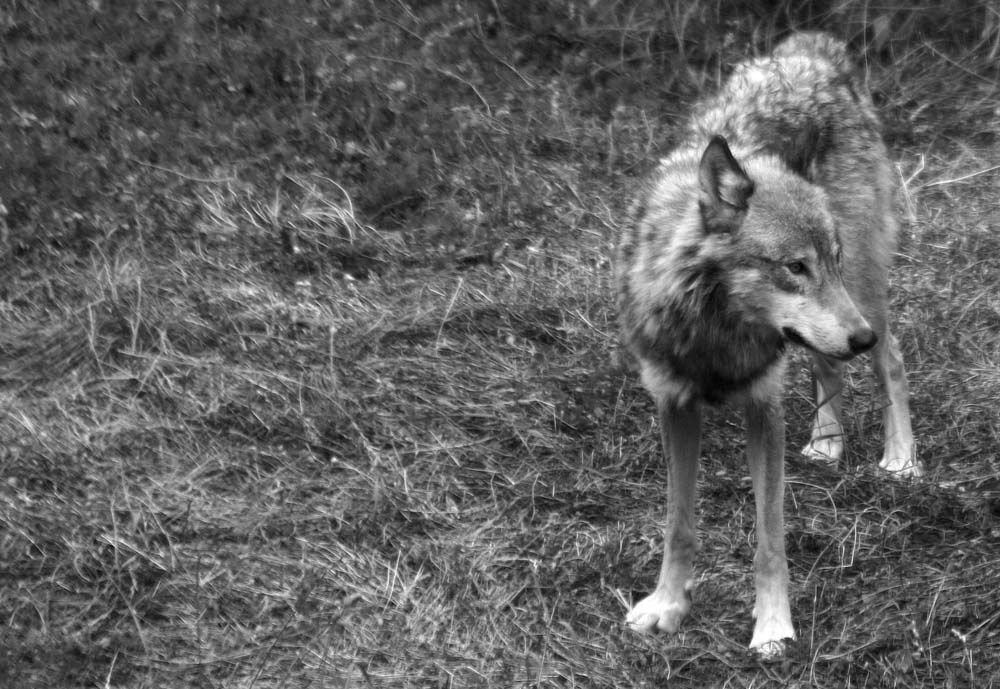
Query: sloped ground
{"x": 309, "y": 367}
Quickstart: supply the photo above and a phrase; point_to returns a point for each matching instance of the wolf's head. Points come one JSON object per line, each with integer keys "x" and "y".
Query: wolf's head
{"x": 779, "y": 250}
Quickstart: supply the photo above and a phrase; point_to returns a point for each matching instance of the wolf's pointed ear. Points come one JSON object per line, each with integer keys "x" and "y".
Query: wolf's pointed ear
{"x": 725, "y": 188}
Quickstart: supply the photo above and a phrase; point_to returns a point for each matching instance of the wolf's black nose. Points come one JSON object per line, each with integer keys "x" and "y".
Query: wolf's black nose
{"x": 862, "y": 340}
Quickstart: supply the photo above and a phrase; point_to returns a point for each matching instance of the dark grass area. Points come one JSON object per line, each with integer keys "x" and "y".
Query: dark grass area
{"x": 309, "y": 367}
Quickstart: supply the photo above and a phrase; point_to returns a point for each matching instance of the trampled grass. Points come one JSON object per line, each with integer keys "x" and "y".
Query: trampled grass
{"x": 309, "y": 366}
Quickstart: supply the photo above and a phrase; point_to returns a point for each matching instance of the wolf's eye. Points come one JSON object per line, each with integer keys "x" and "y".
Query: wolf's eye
{"x": 796, "y": 267}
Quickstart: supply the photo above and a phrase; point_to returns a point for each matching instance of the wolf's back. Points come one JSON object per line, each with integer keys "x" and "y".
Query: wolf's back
{"x": 814, "y": 44}
{"x": 806, "y": 94}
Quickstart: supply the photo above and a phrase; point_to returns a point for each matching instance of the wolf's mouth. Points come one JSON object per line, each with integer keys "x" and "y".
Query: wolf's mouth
{"x": 793, "y": 336}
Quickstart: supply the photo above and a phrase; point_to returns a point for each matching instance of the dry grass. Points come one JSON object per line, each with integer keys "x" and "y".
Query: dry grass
{"x": 330, "y": 397}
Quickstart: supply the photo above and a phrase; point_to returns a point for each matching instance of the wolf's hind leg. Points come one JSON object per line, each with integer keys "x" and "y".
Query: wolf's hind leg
{"x": 826, "y": 442}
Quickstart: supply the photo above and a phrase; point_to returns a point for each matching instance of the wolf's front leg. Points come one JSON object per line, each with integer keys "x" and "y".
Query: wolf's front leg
{"x": 666, "y": 606}
{"x": 900, "y": 452}
{"x": 766, "y": 452}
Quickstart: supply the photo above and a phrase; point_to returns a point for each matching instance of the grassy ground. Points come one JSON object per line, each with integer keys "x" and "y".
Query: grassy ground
{"x": 310, "y": 377}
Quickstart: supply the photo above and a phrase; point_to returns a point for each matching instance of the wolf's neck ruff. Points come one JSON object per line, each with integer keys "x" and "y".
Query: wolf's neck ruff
{"x": 704, "y": 343}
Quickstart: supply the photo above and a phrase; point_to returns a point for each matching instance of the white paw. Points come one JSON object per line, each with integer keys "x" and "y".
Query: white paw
{"x": 769, "y": 650}
{"x": 828, "y": 449}
{"x": 658, "y": 612}
{"x": 901, "y": 463}
{"x": 769, "y": 635}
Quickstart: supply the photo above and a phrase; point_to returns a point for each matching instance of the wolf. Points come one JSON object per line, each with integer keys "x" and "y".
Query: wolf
{"x": 771, "y": 225}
